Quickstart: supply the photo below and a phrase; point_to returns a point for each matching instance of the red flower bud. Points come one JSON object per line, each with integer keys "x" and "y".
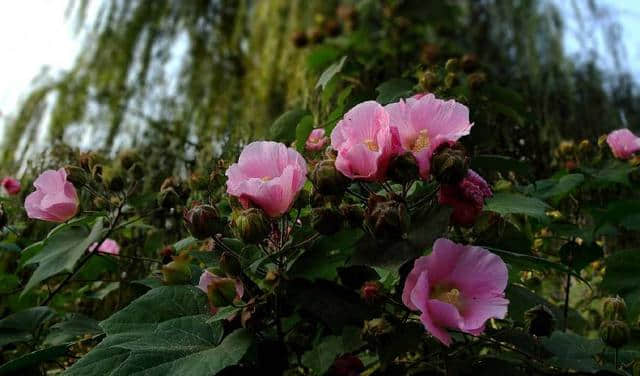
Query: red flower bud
{"x": 370, "y": 291}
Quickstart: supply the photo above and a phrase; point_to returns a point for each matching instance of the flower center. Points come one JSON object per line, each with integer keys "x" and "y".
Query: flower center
{"x": 266, "y": 178}
{"x": 448, "y": 295}
{"x": 371, "y": 144}
{"x": 422, "y": 141}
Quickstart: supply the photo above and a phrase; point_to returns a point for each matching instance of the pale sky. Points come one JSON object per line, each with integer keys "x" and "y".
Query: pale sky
{"x": 35, "y": 33}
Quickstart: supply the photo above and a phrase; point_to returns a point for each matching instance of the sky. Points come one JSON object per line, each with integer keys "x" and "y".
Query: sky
{"x": 35, "y": 33}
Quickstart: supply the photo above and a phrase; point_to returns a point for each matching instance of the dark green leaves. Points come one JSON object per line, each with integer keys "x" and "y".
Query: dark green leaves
{"x": 513, "y": 203}
{"x": 33, "y": 359}
{"x": 283, "y": 128}
{"x": 163, "y": 332}
{"x": 393, "y": 90}
{"x": 61, "y": 251}
{"x": 22, "y": 326}
{"x": 330, "y": 72}
{"x": 573, "y": 352}
{"x": 303, "y": 130}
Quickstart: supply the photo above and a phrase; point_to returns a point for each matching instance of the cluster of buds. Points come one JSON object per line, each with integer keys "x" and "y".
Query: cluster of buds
{"x": 329, "y": 27}
{"x": 463, "y": 70}
{"x": 614, "y": 331}
{"x": 387, "y": 218}
{"x": 172, "y": 193}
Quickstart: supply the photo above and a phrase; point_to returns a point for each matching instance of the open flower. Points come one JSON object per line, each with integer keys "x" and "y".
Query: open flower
{"x": 365, "y": 142}
{"x": 221, "y": 291}
{"x": 109, "y": 246}
{"x": 10, "y": 185}
{"x": 623, "y": 143}
{"x": 467, "y": 198}
{"x": 424, "y": 122}
{"x": 456, "y": 287}
{"x": 316, "y": 140}
{"x": 55, "y": 198}
{"x": 268, "y": 175}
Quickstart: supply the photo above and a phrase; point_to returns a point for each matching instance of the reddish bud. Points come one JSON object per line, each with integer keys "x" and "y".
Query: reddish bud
{"x": 371, "y": 291}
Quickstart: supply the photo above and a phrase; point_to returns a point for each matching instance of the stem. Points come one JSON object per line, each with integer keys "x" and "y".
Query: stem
{"x": 615, "y": 358}
{"x": 566, "y": 301}
{"x": 132, "y": 257}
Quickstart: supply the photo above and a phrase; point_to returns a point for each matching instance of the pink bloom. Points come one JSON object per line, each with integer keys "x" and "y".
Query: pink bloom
{"x": 207, "y": 279}
{"x": 456, "y": 287}
{"x": 54, "y": 200}
{"x": 269, "y": 175}
{"x": 466, "y": 198}
{"x": 365, "y": 142}
{"x": 10, "y": 185}
{"x": 425, "y": 122}
{"x": 623, "y": 143}
{"x": 109, "y": 246}
{"x": 316, "y": 140}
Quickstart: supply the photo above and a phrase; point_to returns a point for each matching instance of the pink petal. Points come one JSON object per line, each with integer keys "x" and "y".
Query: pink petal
{"x": 477, "y": 311}
{"x": 419, "y": 294}
{"x": 448, "y": 119}
{"x": 419, "y": 266}
{"x": 32, "y": 206}
{"x": 623, "y": 143}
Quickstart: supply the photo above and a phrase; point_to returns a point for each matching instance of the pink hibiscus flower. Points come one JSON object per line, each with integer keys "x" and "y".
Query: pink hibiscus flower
{"x": 623, "y": 143}
{"x": 55, "y": 199}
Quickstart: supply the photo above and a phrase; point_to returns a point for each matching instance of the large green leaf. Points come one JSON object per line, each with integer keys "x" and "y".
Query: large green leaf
{"x": 322, "y": 356}
{"x": 394, "y": 89}
{"x": 21, "y": 326}
{"x": 61, "y": 252}
{"x": 555, "y": 188}
{"x": 164, "y": 332}
{"x": 33, "y": 359}
{"x": 572, "y": 351}
{"x": 330, "y": 72}
{"x": 74, "y": 327}
{"x": 303, "y": 130}
{"x": 283, "y": 128}
{"x": 513, "y": 203}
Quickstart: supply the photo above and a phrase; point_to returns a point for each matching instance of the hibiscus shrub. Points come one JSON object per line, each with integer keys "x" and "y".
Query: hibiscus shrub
{"x": 369, "y": 245}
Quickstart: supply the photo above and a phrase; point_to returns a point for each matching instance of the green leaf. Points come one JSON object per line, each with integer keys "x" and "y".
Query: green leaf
{"x": 104, "y": 291}
{"x": 322, "y": 356}
{"x": 326, "y": 255}
{"x": 522, "y": 299}
{"x": 76, "y": 326}
{"x": 283, "y": 128}
{"x": 500, "y": 163}
{"x": 331, "y": 71}
{"x": 578, "y": 256}
{"x": 393, "y": 89}
{"x": 572, "y": 351}
{"x": 614, "y": 172}
{"x": 33, "y": 359}
{"x": 61, "y": 252}
{"x": 555, "y": 188}
{"x": 622, "y": 271}
{"x": 321, "y": 56}
{"x": 184, "y": 243}
{"x": 303, "y": 130}
{"x": 22, "y": 325}
{"x": 224, "y": 313}
{"x": 513, "y": 203}
{"x": 164, "y": 332}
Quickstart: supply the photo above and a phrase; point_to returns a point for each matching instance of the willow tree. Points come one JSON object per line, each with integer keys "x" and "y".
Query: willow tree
{"x": 210, "y": 72}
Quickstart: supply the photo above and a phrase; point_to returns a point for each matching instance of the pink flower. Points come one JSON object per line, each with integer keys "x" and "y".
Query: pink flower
{"x": 316, "y": 140}
{"x": 365, "y": 142}
{"x": 623, "y": 143}
{"x": 54, "y": 200}
{"x": 456, "y": 287}
{"x": 109, "y": 246}
{"x": 425, "y": 122}
{"x": 269, "y": 175}
{"x": 209, "y": 281}
{"x": 466, "y": 198}
{"x": 10, "y": 185}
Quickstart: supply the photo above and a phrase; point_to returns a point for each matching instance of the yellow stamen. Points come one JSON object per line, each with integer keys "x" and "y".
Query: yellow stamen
{"x": 371, "y": 144}
{"x": 448, "y": 295}
{"x": 266, "y": 178}
{"x": 422, "y": 141}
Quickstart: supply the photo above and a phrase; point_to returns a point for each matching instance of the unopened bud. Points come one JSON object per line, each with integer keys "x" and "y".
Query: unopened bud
{"x": 476, "y": 80}
{"x": 540, "y": 321}
{"x": 450, "y": 80}
{"x": 584, "y": 146}
{"x": 376, "y": 330}
{"x": 203, "y": 221}
{"x": 371, "y": 291}
{"x": 168, "y": 198}
{"x": 88, "y": 160}
{"x": 112, "y": 179}
{"x": 327, "y": 179}
{"x": 602, "y": 141}
{"x": 96, "y": 172}
{"x": 404, "y": 169}
{"x": 198, "y": 182}
{"x": 271, "y": 277}
{"x": 346, "y": 365}
{"x": 76, "y": 175}
{"x": 353, "y": 213}
{"x": 469, "y": 62}
{"x": 565, "y": 148}
{"x": 178, "y": 271}
{"x": 299, "y": 39}
{"x": 615, "y": 333}
{"x": 99, "y": 202}
{"x": 326, "y": 220}
{"x": 614, "y": 308}
{"x": 388, "y": 219}
{"x": 127, "y": 158}
{"x": 230, "y": 264}
{"x": 429, "y": 80}
{"x": 429, "y": 53}
{"x": 251, "y": 225}
{"x": 452, "y": 65}
{"x": 450, "y": 164}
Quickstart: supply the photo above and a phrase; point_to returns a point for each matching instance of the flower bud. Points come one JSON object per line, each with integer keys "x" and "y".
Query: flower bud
{"x": 203, "y": 221}
{"x": 371, "y": 291}
{"x": 3, "y": 217}
{"x": 450, "y": 80}
{"x": 326, "y": 220}
{"x": 127, "y": 158}
{"x": 565, "y": 148}
{"x": 429, "y": 80}
{"x": 137, "y": 171}
{"x": 376, "y": 330}
{"x": 404, "y": 169}
{"x": 198, "y": 182}
{"x": 251, "y": 225}
{"x": 99, "y": 202}
{"x": 96, "y": 172}
{"x": 614, "y": 308}
{"x": 353, "y": 213}
{"x": 230, "y": 264}
{"x": 168, "y": 198}
{"x": 272, "y": 277}
{"x": 388, "y": 219}
{"x": 615, "y": 333}
{"x": 178, "y": 271}
{"x": 299, "y": 39}
{"x": 584, "y": 146}
{"x": 327, "y": 179}
{"x": 602, "y": 141}
{"x": 112, "y": 179}
{"x": 450, "y": 164}
{"x": 346, "y": 365}
{"x": 469, "y": 62}
{"x": 332, "y": 28}
{"x": 540, "y": 321}
{"x": 88, "y": 160}
{"x": 166, "y": 253}
{"x": 451, "y": 65}
{"x": 429, "y": 53}
{"x": 76, "y": 175}
{"x": 222, "y": 291}
{"x": 476, "y": 80}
